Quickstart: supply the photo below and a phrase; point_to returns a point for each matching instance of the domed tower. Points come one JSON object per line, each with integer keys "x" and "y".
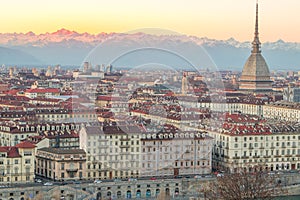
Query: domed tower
{"x": 256, "y": 75}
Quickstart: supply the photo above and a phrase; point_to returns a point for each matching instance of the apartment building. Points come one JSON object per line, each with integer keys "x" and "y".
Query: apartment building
{"x": 13, "y": 133}
{"x": 63, "y": 115}
{"x": 173, "y": 153}
{"x": 17, "y": 163}
{"x": 129, "y": 151}
{"x": 61, "y": 164}
{"x": 112, "y": 151}
{"x": 282, "y": 110}
{"x": 251, "y": 142}
{"x": 42, "y": 92}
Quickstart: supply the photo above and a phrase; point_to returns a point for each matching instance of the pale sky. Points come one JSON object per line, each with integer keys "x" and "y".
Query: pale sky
{"x": 218, "y": 19}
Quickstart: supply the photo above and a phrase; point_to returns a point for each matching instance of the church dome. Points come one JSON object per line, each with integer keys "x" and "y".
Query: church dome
{"x": 256, "y": 69}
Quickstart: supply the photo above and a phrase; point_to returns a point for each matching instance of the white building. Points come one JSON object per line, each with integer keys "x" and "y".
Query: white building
{"x": 282, "y": 110}
{"x": 176, "y": 153}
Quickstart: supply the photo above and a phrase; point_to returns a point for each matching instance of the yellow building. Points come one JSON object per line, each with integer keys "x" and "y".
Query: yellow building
{"x": 61, "y": 164}
{"x": 17, "y": 163}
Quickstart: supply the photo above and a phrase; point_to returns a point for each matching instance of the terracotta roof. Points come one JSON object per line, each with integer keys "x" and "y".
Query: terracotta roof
{"x": 25, "y": 145}
{"x": 12, "y": 152}
{"x": 42, "y": 90}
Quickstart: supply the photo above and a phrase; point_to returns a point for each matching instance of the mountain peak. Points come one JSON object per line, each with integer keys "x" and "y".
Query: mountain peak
{"x": 63, "y": 31}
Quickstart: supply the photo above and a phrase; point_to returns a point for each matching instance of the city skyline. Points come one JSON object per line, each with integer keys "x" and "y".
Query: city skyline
{"x": 213, "y": 19}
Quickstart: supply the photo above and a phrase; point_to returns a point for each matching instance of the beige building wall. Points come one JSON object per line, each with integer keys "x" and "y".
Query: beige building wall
{"x": 61, "y": 164}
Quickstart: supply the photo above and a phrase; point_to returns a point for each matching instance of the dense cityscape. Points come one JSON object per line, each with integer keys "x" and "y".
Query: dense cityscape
{"x": 100, "y": 131}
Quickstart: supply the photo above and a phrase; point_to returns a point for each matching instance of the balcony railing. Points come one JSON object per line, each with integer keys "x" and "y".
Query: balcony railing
{"x": 71, "y": 170}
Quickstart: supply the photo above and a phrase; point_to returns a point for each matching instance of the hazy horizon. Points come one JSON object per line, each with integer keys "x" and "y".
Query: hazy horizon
{"x": 213, "y": 19}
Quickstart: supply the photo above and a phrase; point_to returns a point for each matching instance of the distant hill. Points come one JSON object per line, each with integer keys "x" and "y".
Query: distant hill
{"x": 18, "y": 57}
{"x": 71, "y": 48}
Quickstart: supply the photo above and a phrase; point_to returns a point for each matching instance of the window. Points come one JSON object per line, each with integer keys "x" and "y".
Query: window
{"x": 27, "y": 153}
{"x": 27, "y": 161}
{"x": 62, "y": 166}
{"x": 16, "y": 161}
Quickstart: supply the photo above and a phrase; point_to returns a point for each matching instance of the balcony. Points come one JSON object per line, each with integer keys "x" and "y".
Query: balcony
{"x": 71, "y": 170}
{"x": 124, "y": 146}
{"x": 124, "y": 139}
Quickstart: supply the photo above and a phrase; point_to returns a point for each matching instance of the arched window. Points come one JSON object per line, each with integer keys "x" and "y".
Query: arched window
{"x": 148, "y": 193}
{"x": 108, "y": 193}
{"x": 128, "y": 194}
{"x": 138, "y": 194}
{"x": 119, "y": 194}
{"x": 157, "y": 192}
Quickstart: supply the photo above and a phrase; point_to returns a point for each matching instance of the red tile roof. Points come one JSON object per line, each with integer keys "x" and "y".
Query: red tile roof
{"x": 42, "y": 90}
{"x": 25, "y": 145}
{"x": 12, "y": 152}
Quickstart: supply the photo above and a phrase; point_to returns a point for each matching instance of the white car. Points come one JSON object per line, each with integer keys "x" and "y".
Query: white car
{"x": 38, "y": 180}
{"x": 97, "y": 181}
{"x": 48, "y": 183}
{"x": 220, "y": 175}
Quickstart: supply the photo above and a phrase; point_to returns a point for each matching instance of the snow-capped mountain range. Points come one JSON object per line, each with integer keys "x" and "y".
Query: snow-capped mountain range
{"x": 71, "y": 48}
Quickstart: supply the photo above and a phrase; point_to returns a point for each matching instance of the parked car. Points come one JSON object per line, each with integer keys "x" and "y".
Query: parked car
{"x": 38, "y": 180}
{"x": 48, "y": 183}
{"x": 132, "y": 179}
{"x": 197, "y": 176}
{"x": 97, "y": 181}
{"x": 152, "y": 178}
{"x": 220, "y": 175}
{"x": 117, "y": 180}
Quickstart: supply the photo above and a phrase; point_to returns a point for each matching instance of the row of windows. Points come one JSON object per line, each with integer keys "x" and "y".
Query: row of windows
{"x": 106, "y": 174}
{"x": 266, "y": 138}
{"x": 177, "y": 164}
{"x": 100, "y": 143}
{"x": 283, "y": 144}
{"x": 120, "y": 164}
{"x": 105, "y": 151}
{"x": 112, "y": 137}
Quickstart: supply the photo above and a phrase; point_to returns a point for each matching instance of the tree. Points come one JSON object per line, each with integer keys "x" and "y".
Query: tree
{"x": 244, "y": 185}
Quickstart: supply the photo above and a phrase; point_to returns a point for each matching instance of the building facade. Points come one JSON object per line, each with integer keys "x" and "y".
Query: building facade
{"x": 17, "y": 163}
{"x": 112, "y": 152}
{"x": 61, "y": 164}
{"x": 271, "y": 152}
{"x": 282, "y": 111}
{"x": 175, "y": 154}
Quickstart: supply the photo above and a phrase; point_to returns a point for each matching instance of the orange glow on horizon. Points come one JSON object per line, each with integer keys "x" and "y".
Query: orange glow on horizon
{"x": 213, "y": 19}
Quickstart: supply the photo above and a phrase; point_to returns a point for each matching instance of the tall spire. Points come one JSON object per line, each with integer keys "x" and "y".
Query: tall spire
{"x": 256, "y": 43}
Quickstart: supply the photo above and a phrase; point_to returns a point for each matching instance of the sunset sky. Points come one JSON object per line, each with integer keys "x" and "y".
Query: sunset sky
{"x": 219, "y": 19}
